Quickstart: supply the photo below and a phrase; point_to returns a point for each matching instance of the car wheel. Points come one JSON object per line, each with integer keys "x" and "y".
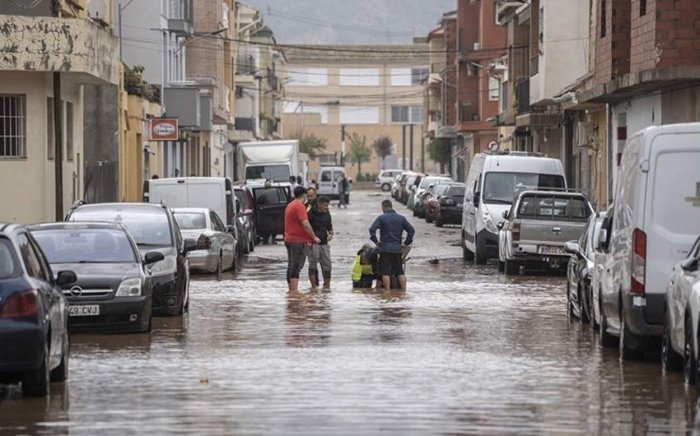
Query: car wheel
{"x": 438, "y": 222}
{"x": 428, "y": 218}
{"x": 606, "y": 339}
{"x": 670, "y": 360}
{"x": 479, "y": 257}
{"x": 235, "y": 264}
{"x": 60, "y": 373}
{"x": 626, "y": 352}
{"x": 386, "y": 187}
{"x": 582, "y": 306}
{"x": 36, "y": 383}
{"x": 511, "y": 267}
{"x": 466, "y": 253}
{"x": 690, "y": 367}
{"x": 569, "y": 303}
{"x": 501, "y": 266}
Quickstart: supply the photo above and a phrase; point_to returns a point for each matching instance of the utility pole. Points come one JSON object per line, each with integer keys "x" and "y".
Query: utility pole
{"x": 342, "y": 145}
{"x": 422, "y": 150}
{"x": 411, "y": 139}
{"x": 403, "y": 148}
{"x": 121, "y": 9}
{"x": 58, "y": 144}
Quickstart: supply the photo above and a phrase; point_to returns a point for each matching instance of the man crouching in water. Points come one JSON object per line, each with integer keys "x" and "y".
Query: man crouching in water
{"x": 391, "y": 226}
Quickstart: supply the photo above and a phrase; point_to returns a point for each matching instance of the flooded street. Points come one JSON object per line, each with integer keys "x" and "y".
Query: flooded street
{"x": 465, "y": 350}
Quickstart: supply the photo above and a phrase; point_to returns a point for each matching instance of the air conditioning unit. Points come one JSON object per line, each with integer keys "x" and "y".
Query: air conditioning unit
{"x": 477, "y": 46}
{"x": 582, "y": 135}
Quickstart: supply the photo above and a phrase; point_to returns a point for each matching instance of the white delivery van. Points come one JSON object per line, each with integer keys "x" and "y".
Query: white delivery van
{"x": 329, "y": 182}
{"x": 493, "y": 182}
{"x": 273, "y": 160}
{"x": 215, "y": 193}
{"x": 657, "y": 220}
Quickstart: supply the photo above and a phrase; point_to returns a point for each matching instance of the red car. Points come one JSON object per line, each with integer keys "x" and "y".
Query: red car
{"x": 432, "y": 206}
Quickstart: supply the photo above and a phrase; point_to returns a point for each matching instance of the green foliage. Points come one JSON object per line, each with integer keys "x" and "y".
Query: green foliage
{"x": 135, "y": 85}
{"x": 359, "y": 152}
{"x": 382, "y": 146}
{"x": 312, "y": 145}
{"x": 440, "y": 151}
{"x": 360, "y": 177}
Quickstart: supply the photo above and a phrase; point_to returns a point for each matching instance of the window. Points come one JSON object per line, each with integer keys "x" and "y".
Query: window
{"x": 69, "y": 132}
{"x": 642, "y": 8}
{"x": 148, "y": 227}
{"x": 9, "y": 267}
{"x": 494, "y": 88}
{"x": 359, "y": 115}
{"x": 218, "y": 224}
{"x": 30, "y": 258}
{"x": 83, "y": 245}
{"x": 13, "y": 136}
{"x": 406, "y": 114}
{"x": 190, "y": 220}
{"x": 50, "y": 134}
{"x": 308, "y": 77}
{"x": 603, "y": 18}
{"x": 408, "y": 76}
{"x": 359, "y": 77}
{"x": 553, "y": 208}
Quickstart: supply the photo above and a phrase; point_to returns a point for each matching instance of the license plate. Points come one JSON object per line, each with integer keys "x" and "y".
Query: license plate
{"x": 552, "y": 250}
{"x": 87, "y": 310}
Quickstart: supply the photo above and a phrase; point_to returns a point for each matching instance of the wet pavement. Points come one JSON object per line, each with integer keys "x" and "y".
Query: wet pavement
{"x": 464, "y": 351}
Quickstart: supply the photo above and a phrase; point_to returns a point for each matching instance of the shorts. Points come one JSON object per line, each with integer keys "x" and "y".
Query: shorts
{"x": 320, "y": 254}
{"x": 296, "y": 258}
{"x": 390, "y": 264}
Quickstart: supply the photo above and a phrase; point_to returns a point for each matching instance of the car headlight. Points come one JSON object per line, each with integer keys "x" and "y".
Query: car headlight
{"x": 489, "y": 223}
{"x": 165, "y": 267}
{"x": 129, "y": 288}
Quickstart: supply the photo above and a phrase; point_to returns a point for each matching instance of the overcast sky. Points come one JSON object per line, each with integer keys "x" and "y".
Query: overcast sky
{"x": 351, "y": 21}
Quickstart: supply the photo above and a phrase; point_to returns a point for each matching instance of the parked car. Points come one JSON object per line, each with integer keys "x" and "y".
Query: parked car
{"x": 401, "y": 185}
{"x": 329, "y": 182}
{"x": 114, "y": 290}
{"x": 217, "y": 248}
{"x": 396, "y": 187}
{"x": 154, "y": 228}
{"x": 537, "y": 226}
{"x": 580, "y": 269}
{"x": 602, "y": 279}
{"x": 448, "y": 204}
{"x": 246, "y": 220}
{"x": 270, "y": 203}
{"x": 409, "y": 188}
{"x": 493, "y": 182}
{"x": 680, "y": 345}
{"x": 420, "y": 208}
{"x": 386, "y": 178}
{"x": 657, "y": 218}
{"x": 424, "y": 184}
{"x": 33, "y": 314}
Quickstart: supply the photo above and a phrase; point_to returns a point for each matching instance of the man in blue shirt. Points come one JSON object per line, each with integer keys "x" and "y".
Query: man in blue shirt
{"x": 391, "y": 226}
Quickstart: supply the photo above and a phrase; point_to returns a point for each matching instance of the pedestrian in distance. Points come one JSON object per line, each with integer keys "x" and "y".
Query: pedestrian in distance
{"x": 391, "y": 244}
{"x": 298, "y": 237}
{"x": 343, "y": 188}
{"x": 322, "y": 224}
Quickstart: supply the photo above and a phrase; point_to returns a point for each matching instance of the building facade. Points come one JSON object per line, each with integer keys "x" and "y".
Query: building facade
{"x": 341, "y": 92}
{"x": 50, "y": 53}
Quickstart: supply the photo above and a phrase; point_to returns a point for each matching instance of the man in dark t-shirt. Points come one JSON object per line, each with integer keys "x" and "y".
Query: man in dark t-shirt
{"x": 322, "y": 224}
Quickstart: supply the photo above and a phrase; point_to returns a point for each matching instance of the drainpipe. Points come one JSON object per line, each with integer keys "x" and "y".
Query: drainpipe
{"x": 58, "y": 144}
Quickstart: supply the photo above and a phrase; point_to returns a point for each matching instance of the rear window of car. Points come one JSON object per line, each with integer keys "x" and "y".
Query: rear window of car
{"x": 190, "y": 220}
{"x": 85, "y": 246}
{"x": 148, "y": 226}
{"x": 9, "y": 265}
{"x": 553, "y": 208}
{"x": 270, "y": 196}
{"x": 456, "y": 191}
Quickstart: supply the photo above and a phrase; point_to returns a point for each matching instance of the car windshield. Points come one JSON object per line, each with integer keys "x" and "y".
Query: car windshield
{"x": 456, "y": 191}
{"x": 148, "y": 227}
{"x": 553, "y": 208}
{"x": 190, "y": 220}
{"x": 276, "y": 173}
{"x": 85, "y": 246}
{"x": 9, "y": 267}
{"x": 503, "y": 187}
{"x": 431, "y": 180}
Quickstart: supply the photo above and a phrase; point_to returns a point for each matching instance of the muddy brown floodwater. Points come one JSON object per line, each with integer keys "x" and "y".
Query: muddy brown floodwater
{"x": 465, "y": 350}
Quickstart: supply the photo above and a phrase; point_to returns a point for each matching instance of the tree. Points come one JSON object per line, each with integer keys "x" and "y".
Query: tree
{"x": 359, "y": 152}
{"x": 440, "y": 151}
{"x": 312, "y": 145}
{"x": 383, "y": 147}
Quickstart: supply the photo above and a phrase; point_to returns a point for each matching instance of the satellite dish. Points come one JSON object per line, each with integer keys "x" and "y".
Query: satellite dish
{"x": 97, "y": 9}
{"x": 494, "y": 146}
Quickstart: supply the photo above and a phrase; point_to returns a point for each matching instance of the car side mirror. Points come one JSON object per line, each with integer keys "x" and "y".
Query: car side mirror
{"x": 501, "y": 225}
{"x": 189, "y": 245}
{"x": 230, "y": 229}
{"x": 66, "y": 278}
{"x": 506, "y": 214}
{"x": 690, "y": 265}
{"x": 572, "y": 247}
{"x": 602, "y": 239}
{"x": 238, "y": 208}
{"x": 153, "y": 257}
{"x": 477, "y": 198}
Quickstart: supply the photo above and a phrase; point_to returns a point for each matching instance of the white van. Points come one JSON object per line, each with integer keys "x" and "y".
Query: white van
{"x": 328, "y": 182}
{"x": 657, "y": 220}
{"x": 493, "y": 182}
{"x": 215, "y": 193}
{"x": 386, "y": 179}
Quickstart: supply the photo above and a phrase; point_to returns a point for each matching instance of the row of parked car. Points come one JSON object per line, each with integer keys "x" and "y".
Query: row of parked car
{"x": 111, "y": 267}
{"x": 634, "y": 272}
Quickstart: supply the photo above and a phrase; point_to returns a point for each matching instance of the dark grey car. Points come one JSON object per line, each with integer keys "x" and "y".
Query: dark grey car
{"x": 114, "y": 290}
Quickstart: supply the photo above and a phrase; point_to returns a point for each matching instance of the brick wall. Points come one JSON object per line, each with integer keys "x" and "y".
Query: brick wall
{"x": 668, "y": 35}
{"x": 612, "y": 49}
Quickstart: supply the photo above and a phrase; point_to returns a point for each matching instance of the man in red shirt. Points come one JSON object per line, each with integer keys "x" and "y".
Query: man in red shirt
{"x": 298, "y": 237}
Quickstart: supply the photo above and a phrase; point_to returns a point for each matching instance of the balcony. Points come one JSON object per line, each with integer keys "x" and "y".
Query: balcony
{"x": 76, "y": 46}
{"x": 180, "y": 17}
{"x": 184, "y": 103}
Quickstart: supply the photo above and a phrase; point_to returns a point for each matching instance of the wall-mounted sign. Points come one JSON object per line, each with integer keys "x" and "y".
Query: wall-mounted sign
{"x": 163, "y": 129}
